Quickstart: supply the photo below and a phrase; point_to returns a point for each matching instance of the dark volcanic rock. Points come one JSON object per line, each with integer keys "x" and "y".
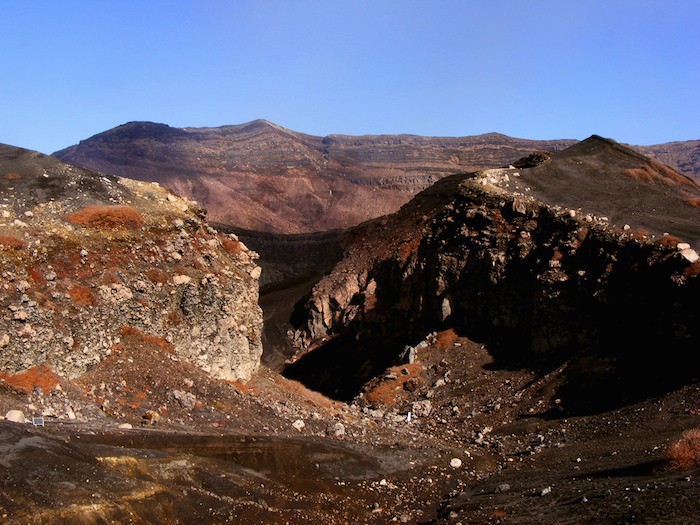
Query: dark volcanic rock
{"x": 500, "y": 257}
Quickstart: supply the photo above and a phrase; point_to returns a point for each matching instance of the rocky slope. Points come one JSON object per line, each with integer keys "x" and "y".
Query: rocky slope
{"x": 93, "y": 264}
{"x": 288, "y": 182}
{"x": 503, "y": 257}
{"x": 461, "y": 431}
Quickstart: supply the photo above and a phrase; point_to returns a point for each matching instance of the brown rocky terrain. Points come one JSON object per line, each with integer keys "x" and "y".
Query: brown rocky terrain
{"x": 288, "y": 182}
{"x": 89, "y": 258}
{"x": 487, "y": 354}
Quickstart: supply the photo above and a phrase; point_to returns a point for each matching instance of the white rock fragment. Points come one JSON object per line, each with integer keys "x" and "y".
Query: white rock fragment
{"x": 299, "y": 425}
{"x": 20, "y": 315}
{"x": 125, "y": 426}
{"x": 16, "y": 416}
{"x": 422, "y": 408}
{"x": 182, "y": 279}
{"x": 337, "y": 430}
{"x": 116, "y": 293}
{"x": 690, "y": 255}
{"x": 455, "y": 463}
{"x": 256, "y": 272}
{"x": 446, "y": 308}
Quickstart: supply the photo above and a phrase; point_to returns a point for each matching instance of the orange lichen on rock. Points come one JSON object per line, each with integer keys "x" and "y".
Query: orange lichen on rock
{"x": 685, "y": 453}
{"x": 37, "y": 376}
{"x": 82, "y": 295}
{"x": 692, "y": 270}
{"x": 445, "y": 339}
{"x": 10, "y": 242}
{"x": 117, "y": 216}
{"x": 143, "y": 338}
{"x": 12, "y": 176}
{"x": 231, "y": 246}
{"x": 298, "y": 389}
{"x": 644, "y": 174}
{"x": 409, "y": 248}
{"x": 694, "y": 202}
{"x": 657, "y": 172}
{"x": 668, "y": 241}
{"x": 37, "y": 276}
{"x": 156, "y": 275}
{"x": 391, "y": 391}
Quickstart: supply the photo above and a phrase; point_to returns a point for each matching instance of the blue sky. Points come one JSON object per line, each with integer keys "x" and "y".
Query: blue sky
{"x": 626, "y": 69}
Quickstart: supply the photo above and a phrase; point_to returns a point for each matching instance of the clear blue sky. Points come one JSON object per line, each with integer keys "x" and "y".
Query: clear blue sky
{"x": 626, "y": 69}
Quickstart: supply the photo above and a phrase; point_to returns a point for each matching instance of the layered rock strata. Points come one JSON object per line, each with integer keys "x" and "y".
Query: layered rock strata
{"x": 261, "y": 176}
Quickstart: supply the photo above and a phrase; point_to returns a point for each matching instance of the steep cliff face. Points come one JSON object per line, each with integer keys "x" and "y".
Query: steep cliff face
{"x": 540, "y": 283}
{"x": 89, "y": 261}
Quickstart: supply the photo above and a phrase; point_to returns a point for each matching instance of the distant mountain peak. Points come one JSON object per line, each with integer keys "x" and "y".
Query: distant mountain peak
{"x": 596, "y": 144}
{"x": 139, "y": 129}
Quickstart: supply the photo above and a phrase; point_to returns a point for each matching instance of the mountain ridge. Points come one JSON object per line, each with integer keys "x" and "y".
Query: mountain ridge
{"x": 285, "y": 181}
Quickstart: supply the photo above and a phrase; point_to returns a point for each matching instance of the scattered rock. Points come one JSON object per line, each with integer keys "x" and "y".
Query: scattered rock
{"x": 336, "y": 430}
{"x": 16, "y": 416}
{"x": 151, "y": 418}
{"x": 455, "y": 463}
{"x": 690, "y": 255}
{"x": 422, "y": 408}
{"x": 187, "y": 400}
{"x": 125, "y": 426}
{"x": 182, "y": 279}
{"x": 299, "y": 425}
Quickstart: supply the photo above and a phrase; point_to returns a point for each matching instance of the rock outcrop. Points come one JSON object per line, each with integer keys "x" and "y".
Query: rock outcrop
{"x": 511, "y": 265}
{"x": 88, "y": 259}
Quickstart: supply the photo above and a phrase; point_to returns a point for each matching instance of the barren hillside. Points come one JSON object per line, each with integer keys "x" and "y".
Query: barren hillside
{"x": 261, "y": 176}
